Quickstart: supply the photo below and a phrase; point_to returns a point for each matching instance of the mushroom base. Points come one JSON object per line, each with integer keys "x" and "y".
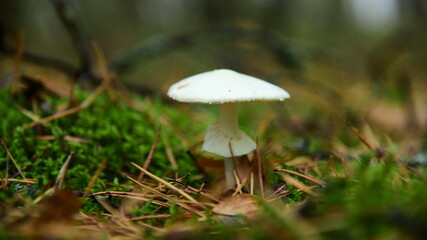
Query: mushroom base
{"x": 217, "y": 142}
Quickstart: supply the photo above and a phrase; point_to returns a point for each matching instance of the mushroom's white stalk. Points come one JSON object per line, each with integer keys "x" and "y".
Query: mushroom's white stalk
{"x": 230, "y": 126}
{"x": 229, "y": 175}
{"x": 228, "y": 120}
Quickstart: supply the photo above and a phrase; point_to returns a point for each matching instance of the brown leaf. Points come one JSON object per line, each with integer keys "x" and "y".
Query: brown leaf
{"x": 231, "y": 207}
{"x": 59, "y": 208}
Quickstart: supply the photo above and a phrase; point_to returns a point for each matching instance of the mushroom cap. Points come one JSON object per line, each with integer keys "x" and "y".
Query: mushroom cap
{"x": 222, "y": 86}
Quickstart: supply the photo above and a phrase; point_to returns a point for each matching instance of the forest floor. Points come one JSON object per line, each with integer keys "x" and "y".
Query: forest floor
{"x": 333, "y": 162}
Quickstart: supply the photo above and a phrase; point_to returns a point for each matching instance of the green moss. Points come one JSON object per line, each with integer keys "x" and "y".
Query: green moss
{"x": 108, "y": 130}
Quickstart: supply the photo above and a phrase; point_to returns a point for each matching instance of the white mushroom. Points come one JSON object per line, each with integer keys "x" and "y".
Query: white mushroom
{"x": 226, "y": 87}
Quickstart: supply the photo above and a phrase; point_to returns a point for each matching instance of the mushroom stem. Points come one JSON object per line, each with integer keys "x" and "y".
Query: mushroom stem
{"x": 228, "y": 120}
{"x": 230, "y": 126}
{"x": 229, "y": 175}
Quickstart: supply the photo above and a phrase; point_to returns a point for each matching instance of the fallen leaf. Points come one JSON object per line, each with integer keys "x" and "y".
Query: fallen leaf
{"x": 229, "y": 209}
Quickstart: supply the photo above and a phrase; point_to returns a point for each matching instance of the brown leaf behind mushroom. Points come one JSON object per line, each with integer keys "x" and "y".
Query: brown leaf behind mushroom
{"x": 238, "y": 205}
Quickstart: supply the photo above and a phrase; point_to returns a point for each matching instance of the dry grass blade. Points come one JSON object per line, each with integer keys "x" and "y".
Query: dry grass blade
{"x": 127, "y": 203}
{"x": 180, "y": 203}
{"x": 27, "y": 112}
{"x": 169, "y": 152}
{"x": 3, "y": 143}
{"x": 360, "y": 135}
{"x": 61, "y": 174}
{"x": 343, "y": 163}
{"x": 182, "y": 193}
{"x": 150, "y": 156}
{"x": 100, "y": 59}
{"x": 278, "y": 193}
{"x": 27, "y": 181}
{"x": 66, "y": 138}
{"x": 130, "y": 195}
{"x": 128, "y": 228}
{"x": 196, "y": 191}
{"x": 265, "y": 122}
{"x": 298, "y": 184}
{"x": 159, "y": 216}
{"x": 331, "y": 166}
{"x": 310, "y": 178}
{"x": 95, "y": 177}
{"x": 240, "y": 184}
{"x": 252, "y": 184}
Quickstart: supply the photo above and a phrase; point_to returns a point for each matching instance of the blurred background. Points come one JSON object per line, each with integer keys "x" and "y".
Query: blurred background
{"x": 358, "y": 60}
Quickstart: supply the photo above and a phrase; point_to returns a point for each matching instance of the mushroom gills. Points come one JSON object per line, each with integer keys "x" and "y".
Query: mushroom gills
{"x": 218, "y": 142}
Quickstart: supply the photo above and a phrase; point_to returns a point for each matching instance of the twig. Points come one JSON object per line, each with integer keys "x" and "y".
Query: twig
{"x": 95, "y": 177}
